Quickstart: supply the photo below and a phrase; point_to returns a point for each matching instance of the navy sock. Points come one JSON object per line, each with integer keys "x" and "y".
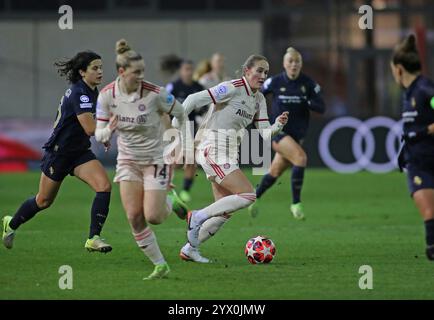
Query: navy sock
{"x": 187, "y": 184}
{"x": 100, "y": 209}
{"x": 429, "y": 232}
{"x": 297, "y": 177}
{"x": 26, "y": 212}
{"x": 267, "y": 181}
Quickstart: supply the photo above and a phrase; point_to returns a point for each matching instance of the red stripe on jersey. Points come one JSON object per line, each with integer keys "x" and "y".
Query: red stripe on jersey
{"x": 102, "y": 119}
{"x": 153, "y": 89}
{"x": 110, "y": 86}
{"x": 150, "y": 87}
{"x": 245, "y": 86}
{"x": 260, "y": 119}
{"x": 212, "y": 97}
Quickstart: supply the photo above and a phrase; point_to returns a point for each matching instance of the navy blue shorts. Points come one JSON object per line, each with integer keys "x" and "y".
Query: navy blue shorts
{"x": 58, "y": 166}
{"x": 282, "y": 135}
{"x": 419, "y": 178}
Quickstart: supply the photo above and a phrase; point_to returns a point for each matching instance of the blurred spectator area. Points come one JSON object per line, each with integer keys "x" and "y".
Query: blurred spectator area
{"x": 352, "y": 65}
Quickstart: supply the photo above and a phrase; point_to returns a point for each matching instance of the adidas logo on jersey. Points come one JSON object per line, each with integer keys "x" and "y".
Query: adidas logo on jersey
{"x": 244, "y": 114}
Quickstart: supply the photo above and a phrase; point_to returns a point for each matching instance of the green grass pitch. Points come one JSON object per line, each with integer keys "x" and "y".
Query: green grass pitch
{"x": 352, "y": 220}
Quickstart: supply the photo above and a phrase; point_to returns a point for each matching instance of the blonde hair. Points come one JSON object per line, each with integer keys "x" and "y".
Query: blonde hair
{"x": 203, "y": 67}
{"x": 125, "y": 55}
{"x": 292, "y": 50}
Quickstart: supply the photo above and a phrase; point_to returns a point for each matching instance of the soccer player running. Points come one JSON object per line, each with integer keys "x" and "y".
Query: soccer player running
{"x": 68, "y": 151}
{"x": 135, "y": 109}
{"x": 181, "y": 88}
{"x": 417, "y": 154}
{"x": 235, "y": 105}
{"x": 296, "y": 93}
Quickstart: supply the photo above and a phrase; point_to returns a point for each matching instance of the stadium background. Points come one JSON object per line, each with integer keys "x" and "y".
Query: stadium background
{"x": 352, "y": 220}
{"x": 351, "y": 65}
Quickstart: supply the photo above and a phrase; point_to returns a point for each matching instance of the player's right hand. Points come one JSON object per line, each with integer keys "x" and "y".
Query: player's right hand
{"x": 283, "y": 118}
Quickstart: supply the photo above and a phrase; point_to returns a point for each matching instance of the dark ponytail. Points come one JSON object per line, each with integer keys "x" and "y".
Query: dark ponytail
{"x": 407, "y": 55}
{"x": 70, "y": 68}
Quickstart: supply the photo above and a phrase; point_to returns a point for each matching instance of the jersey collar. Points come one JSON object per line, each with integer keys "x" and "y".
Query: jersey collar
{"x": 248, "y": 89}
{"x": 128, "y": 97}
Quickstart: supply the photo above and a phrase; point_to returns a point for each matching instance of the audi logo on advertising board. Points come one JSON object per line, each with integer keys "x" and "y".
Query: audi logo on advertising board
{"x": 363, "y": 144}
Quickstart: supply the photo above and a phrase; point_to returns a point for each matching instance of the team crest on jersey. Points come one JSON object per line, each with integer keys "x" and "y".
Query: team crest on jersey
{"x": 417, "y": 180}
{"x": 282, "y": 89}
{"x": 84, "y": 98}
{"x": 243, "y": 102}
{"x": 303, "y": 89}
{"x": 226, "y": 166}
{"x": 141, "y": 119}
{"x": 142, "y": 107}
{"x": 68, "y": 93}
{"x": 413, "y": 102}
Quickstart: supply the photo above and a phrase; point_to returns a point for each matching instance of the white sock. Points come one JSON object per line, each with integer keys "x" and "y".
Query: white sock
{"x": 169, "y": 204}
{"x": 226, "y": 204}
{"x": 210, "y": 227}
{"x": 147, "y": 242}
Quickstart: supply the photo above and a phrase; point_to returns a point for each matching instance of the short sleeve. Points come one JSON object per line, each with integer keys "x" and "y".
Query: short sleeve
{"x": 167, "y": 100}
{"x": 81, "y": 103}
{"x": 222, "y": 92}
{"x": 102, "y": 106}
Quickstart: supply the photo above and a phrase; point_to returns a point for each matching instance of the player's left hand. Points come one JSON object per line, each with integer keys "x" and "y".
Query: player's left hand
{"x": 283, "y": 118}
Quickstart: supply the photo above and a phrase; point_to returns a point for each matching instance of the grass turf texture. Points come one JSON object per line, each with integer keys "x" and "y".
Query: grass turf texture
{"x": 352, "y": 220}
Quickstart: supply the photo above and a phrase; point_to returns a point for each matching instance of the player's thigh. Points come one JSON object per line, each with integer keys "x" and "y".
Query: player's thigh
{"x": 132, "y": 197}
{"x": 237, "y": 182}
{"x": 219, "y": 192}
{"x": 155, "y": 206}
{"x": 424, "y": 200}
{"x": 278, "y": 165}
{"x": 94, "y": 174}
{"x": 291, "y": 151}
{"x": 47, "y": 192}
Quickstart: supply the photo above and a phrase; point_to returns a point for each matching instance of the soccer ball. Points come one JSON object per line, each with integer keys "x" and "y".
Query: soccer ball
{"x": 260, "y": 250}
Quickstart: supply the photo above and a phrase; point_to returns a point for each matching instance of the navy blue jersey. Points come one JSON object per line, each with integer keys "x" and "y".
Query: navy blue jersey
{"x": 299, "y": 97}
{"x": 68, "y": 136}
{"x": 181, "y": 91}
{"x": 418, "y": 113}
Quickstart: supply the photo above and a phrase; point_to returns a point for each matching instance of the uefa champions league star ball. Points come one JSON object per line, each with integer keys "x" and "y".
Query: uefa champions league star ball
{"x": 260, "y": 249}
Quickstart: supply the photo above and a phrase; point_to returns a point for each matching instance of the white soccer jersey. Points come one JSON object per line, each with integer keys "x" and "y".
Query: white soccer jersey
{"x": 234, "y": 107}
{"x": 140, "y": 129}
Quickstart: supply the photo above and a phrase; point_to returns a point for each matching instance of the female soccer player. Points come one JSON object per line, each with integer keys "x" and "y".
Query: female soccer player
{"x": 296, "y": 93}
{"x": 135, "y": 108}
{"x": 67, "y": 151}
{"x": 181, "y": 88}
{"x": 417, "y": 154}
{"x": 236, "y": 104}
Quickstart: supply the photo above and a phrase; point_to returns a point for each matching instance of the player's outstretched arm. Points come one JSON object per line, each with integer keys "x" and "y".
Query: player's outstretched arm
{"x": 261, "y": 122}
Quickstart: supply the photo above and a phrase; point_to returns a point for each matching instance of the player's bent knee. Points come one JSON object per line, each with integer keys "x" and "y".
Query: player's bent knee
{"x": 300, "y": 159}
{"x": 103, "y": 187}
{"x": 155, "y": 220}
{"x": 43, "y": 203}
